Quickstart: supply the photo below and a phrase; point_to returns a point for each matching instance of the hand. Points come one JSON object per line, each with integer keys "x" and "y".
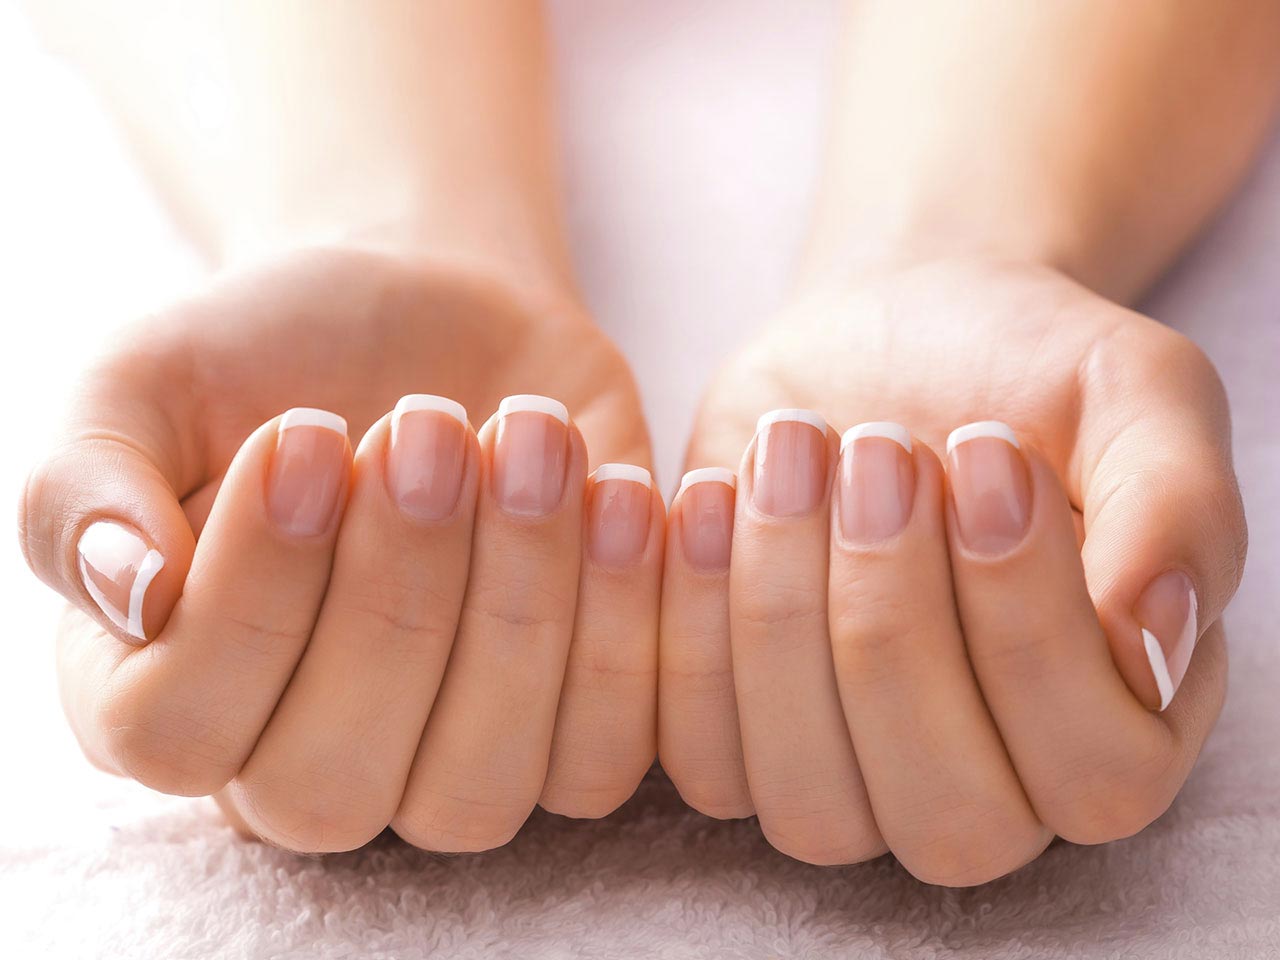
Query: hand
{"x": 294, "y": 640}
{"x": 943, "y": 668}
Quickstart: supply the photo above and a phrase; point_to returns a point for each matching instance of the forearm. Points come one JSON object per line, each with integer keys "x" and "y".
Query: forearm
{"x": 271, "y": 124}
{"x": 1093, "y": 135}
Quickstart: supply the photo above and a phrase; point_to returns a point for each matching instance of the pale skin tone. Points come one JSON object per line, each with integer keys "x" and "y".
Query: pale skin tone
{"x": 956, "y": 682}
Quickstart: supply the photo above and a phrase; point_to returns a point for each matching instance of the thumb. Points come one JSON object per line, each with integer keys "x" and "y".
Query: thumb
{"x": 1165, "y": 534}
{"x": 100, "y": 519}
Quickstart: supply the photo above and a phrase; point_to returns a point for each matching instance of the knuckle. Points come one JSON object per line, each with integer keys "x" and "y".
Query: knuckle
{"x": 585, "y": 803}
{"x": 458, "y": 827}
{"x": 1015, "y": 658}
{"x": 394, "y": 608}
{"x": 824, "y": 841}
{"x": 1104, "y": 800}
{"x": 261, "y": 643}
{"x": 972, "y": 863}
{"x": 589, "y": 777}
{"x": 1188, "y": 360}
{"x": 688, "y": 682}
{"x": 311, "y": 814}
{"x": 715, "y": 788}
{"x": 816, "y": 817}
{"x": 772, "y": 609}
{"x": 871, "y": 643}
{"x": 164, "y": 749}
{"x": 461, "y": 812}
{"x": 962, "y": 847}
{"x": 530, "y": 612}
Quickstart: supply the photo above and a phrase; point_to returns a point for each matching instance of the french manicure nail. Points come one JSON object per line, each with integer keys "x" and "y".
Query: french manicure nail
{"x": 618, "y": 508}
{"x": 877, "y": 481}
{"x": 706, "y": 517}
{"x": 1166, "y": 611}
{"x": 990, "y": 486}
{"x": 307, "y": 469}
{"x": 530, "y": 455}
{"x": 117, "y": 566}
{"x": 790, "y": 463}
{"x": 427, "y": 455}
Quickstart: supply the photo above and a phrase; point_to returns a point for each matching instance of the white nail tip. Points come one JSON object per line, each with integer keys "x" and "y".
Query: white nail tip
{"x": 707, "y": 475}
{"x": 982, "y": 428}
{"x": 429, "y": 403}
{"x": 1159, "y": 667}
{"x": 532, "y": 403}
{"x": 883, "y": 429}
{"x": 311, "y": 417}
{"x": 797, "y": 416}
{"x": 622, "y": 471}
{"x": 152, "y": 564}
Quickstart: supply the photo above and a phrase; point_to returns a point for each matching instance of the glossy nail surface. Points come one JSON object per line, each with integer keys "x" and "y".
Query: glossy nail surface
{"x": 877, "y": 482}
{"x": 530, "y": 455}
{"x": 990, "y": 486}
{"x": 307, "y": 471}
{"x": 117, "y": 566}
{"x": 618, "y": 509}
{"x": 790, "y": 463}
{"x": 706, "y": 498}
{"x": 427, "y": 455}
{"x": 1166, "y": 611}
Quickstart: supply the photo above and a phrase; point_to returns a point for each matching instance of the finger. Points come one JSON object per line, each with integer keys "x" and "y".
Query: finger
{"x": 99, "y": 519}
{"x": 1096, "y": 764}
{"x": 606, "y": 725}
{"x": 183, "y": 713}
{"x": 1165, "y": 530}
{"x": 699, "y": 742}
{"x": 328, "y": 772}
{"x": 944, "y": 794}
{"x": 804, "y": 778}
{"x": 482, "y": 761}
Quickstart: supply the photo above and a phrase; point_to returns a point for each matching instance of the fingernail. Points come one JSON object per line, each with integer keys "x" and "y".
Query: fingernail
{"x": 706, "y": 517}
{"x": 618, "y": 510}
{"x": 990, "y": 486}
{"x": 305, "y": 478}
{"x": 530, "y": 454}
{"x": 877, "y": 481}
{"x": 1166, "y": 611}
{"x": 790, "y": 463}
{"x": 427, "y": 455}
{"x": 117, "y": 567}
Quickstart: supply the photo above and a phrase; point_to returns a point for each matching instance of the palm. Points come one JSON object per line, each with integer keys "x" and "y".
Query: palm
{"x": 352, "y": 331}
{"x": 932, "y": 348}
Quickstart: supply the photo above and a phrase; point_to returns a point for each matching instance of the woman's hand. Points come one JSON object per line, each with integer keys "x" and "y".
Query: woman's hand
{"x": 340, "y": 642}
{"x": 927, "y": 658}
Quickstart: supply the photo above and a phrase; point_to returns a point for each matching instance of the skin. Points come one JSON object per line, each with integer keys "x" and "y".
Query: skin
{"x": 325, "y": 687}
{"x": 974, "y": 228}
{"x": 1105, "y": 399}
{"x": 902, "y": 695}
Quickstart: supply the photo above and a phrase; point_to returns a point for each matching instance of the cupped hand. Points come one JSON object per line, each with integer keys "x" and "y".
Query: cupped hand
{"x": 423, "y": 634}
{"x": 952, "y": 654}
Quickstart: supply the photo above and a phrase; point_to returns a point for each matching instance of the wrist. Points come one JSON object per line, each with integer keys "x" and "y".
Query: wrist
{"x": 520, "y": 255}
{"x": 850, "y": 242}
